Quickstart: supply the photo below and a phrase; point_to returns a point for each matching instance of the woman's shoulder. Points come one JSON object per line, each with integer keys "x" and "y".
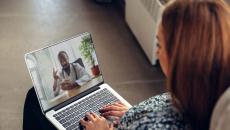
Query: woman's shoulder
{"x": 157, "y": 101}
{"x": 155, "y": 113}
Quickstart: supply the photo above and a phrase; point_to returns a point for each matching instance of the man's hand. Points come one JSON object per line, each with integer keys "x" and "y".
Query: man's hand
{"x": 96, "y": 122}
{"x": 117, "y": 109}
{"x": 68, "y": 85}
{"x": 55, "y": 76}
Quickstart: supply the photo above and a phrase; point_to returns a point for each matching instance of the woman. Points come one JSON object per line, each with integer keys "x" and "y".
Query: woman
{"x": 194, "y": 53}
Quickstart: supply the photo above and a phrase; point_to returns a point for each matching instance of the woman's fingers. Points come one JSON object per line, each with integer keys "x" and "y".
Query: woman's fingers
{"x": 113, "y": 113}
{"x": 90, "y": 117}
{"x": 94, "y": 115}
{"x": 120, "y": 104}
{"x": 111, "y": 108}
{"x": 116, "y": 109}
{"x": 83, "y": 122}
{"x": 99, "y": 123}
{"x": 111, "y": 126}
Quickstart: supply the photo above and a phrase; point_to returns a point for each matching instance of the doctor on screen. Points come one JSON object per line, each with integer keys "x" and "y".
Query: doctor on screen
{"x": 71, "y": 76}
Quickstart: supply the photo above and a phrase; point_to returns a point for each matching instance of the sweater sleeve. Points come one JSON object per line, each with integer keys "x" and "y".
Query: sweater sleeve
{"x": 154, "y": 113}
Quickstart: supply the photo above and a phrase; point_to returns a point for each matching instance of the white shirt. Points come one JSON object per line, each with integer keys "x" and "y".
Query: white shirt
{"x": 77, "y": 74}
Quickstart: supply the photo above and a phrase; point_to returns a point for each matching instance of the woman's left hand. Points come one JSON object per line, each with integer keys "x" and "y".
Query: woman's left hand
{"x": 96, "y": 122}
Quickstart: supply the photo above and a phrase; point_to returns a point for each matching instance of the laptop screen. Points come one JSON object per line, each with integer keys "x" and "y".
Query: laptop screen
{"x": 63, "y": 70}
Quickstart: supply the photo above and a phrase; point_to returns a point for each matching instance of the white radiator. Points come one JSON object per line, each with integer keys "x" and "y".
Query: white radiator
{"x": 143, "y": 17}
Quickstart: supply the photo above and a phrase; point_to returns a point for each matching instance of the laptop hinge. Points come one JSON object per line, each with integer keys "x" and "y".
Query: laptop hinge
{"x": 75, "y": 98}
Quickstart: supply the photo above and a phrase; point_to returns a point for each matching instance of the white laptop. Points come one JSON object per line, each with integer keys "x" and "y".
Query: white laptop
{"x": 68, "y": 81}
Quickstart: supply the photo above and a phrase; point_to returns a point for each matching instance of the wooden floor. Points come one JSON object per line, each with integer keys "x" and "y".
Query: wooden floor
{"x": 26, "y": 25}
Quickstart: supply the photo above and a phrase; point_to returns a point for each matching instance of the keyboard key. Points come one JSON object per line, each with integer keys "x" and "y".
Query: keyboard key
{"x": 62, "y": 121}
{"x": 66, "y": 124}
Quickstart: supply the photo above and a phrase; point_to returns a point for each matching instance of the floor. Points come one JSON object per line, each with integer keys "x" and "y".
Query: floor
{"x": 27, "y": 25}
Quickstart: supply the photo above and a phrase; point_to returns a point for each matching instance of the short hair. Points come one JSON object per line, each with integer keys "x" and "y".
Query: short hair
{"x": 61, "y": 53}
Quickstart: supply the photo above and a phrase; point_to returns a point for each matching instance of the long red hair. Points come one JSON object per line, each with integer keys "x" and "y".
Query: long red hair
{"x": 197, "y": 34}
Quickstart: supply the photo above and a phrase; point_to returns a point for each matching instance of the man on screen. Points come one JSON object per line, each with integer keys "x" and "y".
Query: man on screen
{"x": 71, "y": 76}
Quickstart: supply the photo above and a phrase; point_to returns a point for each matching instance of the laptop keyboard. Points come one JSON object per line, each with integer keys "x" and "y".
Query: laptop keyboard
{"x": 70, "y": 117}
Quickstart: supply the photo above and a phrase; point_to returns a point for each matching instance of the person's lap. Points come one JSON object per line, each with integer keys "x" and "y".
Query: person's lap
{"x": 33, "y": 118}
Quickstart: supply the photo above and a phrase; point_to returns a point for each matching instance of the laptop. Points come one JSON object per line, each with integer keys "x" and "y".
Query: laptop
{"x": 68, "y": 81}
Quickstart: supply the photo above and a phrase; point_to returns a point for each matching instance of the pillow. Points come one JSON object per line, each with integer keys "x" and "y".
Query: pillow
{"x": 221, "y": 115}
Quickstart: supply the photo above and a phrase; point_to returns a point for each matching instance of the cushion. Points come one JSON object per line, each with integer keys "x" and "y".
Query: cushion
{"x": 221, "y": 115}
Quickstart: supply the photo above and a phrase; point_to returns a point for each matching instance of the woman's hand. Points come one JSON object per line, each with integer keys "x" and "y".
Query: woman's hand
{"x": 96, "y": 122}
{"x": 117, "y": 109}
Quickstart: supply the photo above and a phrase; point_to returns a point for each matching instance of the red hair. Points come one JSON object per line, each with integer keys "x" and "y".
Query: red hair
{"x": 197, "y": 34}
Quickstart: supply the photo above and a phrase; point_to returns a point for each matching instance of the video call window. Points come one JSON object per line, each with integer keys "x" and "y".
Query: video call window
{"x": 63, "y": 70}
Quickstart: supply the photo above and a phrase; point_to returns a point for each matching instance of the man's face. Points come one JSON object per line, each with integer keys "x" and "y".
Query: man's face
{"x": 64, "y": 60}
